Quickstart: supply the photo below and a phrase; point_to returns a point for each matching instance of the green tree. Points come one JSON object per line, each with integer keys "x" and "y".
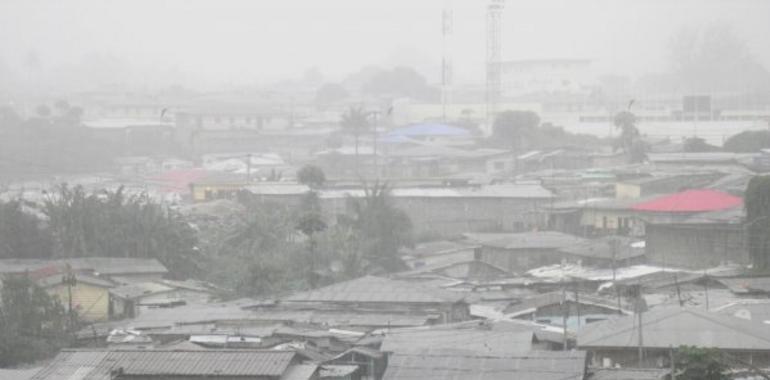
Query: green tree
{"x": 695, "y": 363}
{"x": 757, "y": 203}
{"x": 310, "y": 223}
{"x": 382, "y": 229}
{"x": 21, "y": 233}
{"x": 400, "y": 82}
{"x": 111, "y": 223}
{"x": 312, "y": 176}
{"x": 32, "y": 323}
{"x": 356, "y": 123}
{"x": 629, "y": 141}
{"x": 748, "y": 142}
{"x": 514, "y": 129}
{"x": 697, "y": 144}
{"x": 330, "y": 93}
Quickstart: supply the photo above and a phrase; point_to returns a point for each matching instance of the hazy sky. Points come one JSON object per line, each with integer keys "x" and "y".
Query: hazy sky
{"x": 248, "y": 41}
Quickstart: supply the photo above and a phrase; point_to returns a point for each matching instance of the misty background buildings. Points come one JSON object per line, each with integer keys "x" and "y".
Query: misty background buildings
{"x": 384, "y": 190}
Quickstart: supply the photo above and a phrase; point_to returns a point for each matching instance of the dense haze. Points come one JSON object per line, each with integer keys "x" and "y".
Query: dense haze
{"x": 80, "y": 44}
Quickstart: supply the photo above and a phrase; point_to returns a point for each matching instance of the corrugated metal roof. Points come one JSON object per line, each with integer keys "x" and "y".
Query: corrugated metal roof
{"x": 376, "y": 289}
{"x": 629, "y": 374}
{"x": 98, "y": 364}
{"x": 137, "y": 290}
{"x": 673, "y": 327}
{"x": 525, "y": 240}
{"x": 451, "y": 365}
{"x": 479, "y": 339}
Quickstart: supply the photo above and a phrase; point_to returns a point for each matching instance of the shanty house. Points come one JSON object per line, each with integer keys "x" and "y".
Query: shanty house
{"x": 458, "y": 365}
{"x": 617, "y": 341}
{"x": 519, "y": 252}
{"x": 702, "y": 241}
{"x": 376, "y": 294}
{"x": 88, "y": 296}
{"x": 166, "y": 364}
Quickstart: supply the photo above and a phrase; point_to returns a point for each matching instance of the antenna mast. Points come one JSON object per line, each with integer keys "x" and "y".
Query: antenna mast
{"x": 447, "y": 29}
{"x": 494, "y": 48}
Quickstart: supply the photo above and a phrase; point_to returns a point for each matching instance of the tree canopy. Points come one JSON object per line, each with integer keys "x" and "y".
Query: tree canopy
{"x": 312, "y": 176}
{"x": 748, "y": 142}
{"x": 32, "y": 323}
{"x": 757, "y": 203}
{"x": 515, "y": 128}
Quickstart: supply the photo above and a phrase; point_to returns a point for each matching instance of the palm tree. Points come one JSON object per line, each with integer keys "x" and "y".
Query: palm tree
{"x": 355, "y": 122}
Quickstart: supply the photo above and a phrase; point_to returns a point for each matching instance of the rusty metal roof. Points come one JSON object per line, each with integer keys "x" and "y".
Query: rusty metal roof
{"x": 99, "y": 364}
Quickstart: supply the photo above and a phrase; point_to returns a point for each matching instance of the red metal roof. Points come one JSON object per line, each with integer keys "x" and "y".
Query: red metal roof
{"x": 690, "y": 201}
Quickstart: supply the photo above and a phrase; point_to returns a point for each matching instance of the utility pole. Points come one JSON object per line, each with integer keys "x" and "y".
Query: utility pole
{"x": 70, "y": 280}
{"x": 614, "y": 243}
{"x": 565, "y": 313}
{"x": 673, "y": 362}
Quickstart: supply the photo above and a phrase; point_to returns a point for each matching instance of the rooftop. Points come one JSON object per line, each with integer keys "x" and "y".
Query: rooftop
{"x": 451, "y": 364}
{"x": 99, "y": 364}
{"x": 525, "y": 240}
{"x": 376, "y": 289}
{"x": 475, "y": 337}
{"x": 690, "y": 201}
{"x": 666, "y": 327}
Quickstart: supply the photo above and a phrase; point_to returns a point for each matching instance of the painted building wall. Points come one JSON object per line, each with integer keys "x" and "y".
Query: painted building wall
{"x": 90, "y": 302}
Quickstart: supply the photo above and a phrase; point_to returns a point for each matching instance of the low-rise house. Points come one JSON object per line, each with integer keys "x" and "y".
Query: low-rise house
{"x": 87, "y": 296}
{"x": 519, "y": 252}
{"x": 556, "y": 308}
{"x": 117, "y": 269}
{"x": 456, "y": 365}
{"x": 165, "y": 364}
{"x": 663, "y": 184}
{"x": 440, "y": 252}
{"x": 473, "y": 336}
{"x": 617, "y": 341}
{"x": 607, "y": 251}
{"x": 377, "y": 294}
{"x": 701, "y": 241}
{"x": 446, "y": 211}
{"x": 127, "y": 301}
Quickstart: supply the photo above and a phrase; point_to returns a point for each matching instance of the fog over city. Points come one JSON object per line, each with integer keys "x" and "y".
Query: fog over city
{"x": 392, "y": 190}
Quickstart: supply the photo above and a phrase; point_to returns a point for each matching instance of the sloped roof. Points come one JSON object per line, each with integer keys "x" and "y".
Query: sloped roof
{"x": 376, "y": 289}
{"x": 630, "y": 374}
{"x": 132, "y": 291}
{"x": 456, "y": 365}
{"x": 601, "y": 248}
{"x": 525, "y": 240}
{"x": 675, "y": 326}
{"x": 476, "y": 338}
{"x": 101, "y": 265}
{"x": 97, "y": 364}
{"x": 690, "y": 201}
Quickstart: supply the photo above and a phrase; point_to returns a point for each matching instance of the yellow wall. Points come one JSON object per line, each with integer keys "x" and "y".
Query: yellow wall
{"x": 90, "y": 302}
{"x": 627, "y": 191}
{"x": 199, "y": 191}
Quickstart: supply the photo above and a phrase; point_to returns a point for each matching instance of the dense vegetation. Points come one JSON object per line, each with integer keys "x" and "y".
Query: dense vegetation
{"x": 521, "y": 130}
{"x": 757, "y": 203}
{"x": 74, "y": 223}
{"x": 33, "y": 325}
